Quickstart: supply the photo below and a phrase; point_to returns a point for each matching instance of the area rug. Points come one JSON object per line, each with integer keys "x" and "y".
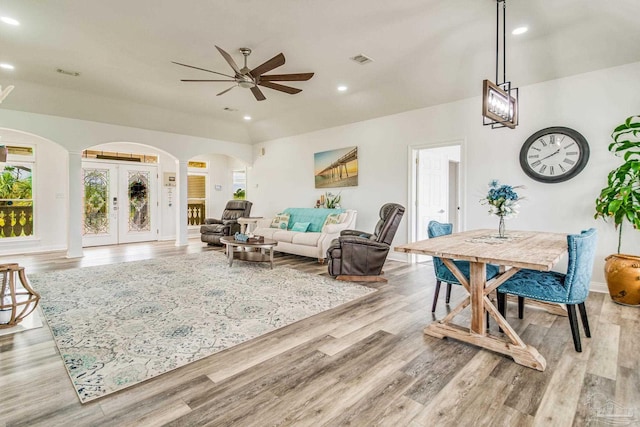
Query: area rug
{"x": 118, "y": 325}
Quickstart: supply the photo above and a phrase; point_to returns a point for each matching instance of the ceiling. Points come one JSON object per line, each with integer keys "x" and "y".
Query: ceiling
{"x": 426, "y": 52}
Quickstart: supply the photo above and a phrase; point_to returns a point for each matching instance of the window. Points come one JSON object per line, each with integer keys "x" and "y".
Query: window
{"x": 239, "y": 184}
{"x": 16, "y": 193}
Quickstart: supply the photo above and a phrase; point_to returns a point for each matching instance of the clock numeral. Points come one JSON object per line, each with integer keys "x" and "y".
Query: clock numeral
{"x": 534, "y": 156}
{"x": 571, "y": 153}
{"x": 544, "y": 144}
{"x": 543, "y": 168}
{"x": 573, "y": 143}
{"x": 569, "y": 161}
{"x": 535, "y": 148}
{"x": 536, "y": 163}
{"x": 552, "y": 139}
{"x": 561, "y": 168}
{"x": 551, "y": 170}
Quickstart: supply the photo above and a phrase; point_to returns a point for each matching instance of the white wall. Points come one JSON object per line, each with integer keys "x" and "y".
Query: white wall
{"x": 592, "y": 103}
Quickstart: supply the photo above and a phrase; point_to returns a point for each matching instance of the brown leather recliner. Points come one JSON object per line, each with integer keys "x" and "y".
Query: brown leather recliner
{"x": 359, "y": 256}
{"x": 213, "y": 229}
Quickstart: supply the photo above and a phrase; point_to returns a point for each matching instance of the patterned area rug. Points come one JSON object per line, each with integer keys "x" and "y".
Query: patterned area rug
{"x": 121, "y": 324}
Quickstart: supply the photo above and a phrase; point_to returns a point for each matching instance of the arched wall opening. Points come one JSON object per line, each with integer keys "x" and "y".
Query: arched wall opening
{"x": 50, "y": 195}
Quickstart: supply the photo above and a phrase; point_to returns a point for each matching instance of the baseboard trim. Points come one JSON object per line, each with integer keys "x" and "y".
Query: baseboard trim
{"x": 599, "y": 287}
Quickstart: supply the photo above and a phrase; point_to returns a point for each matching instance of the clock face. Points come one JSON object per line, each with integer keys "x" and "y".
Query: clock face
{"x": 554, "y": 154}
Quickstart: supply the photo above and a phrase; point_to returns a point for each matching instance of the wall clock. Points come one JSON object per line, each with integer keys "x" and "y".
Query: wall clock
{"x": 554, "y": 154}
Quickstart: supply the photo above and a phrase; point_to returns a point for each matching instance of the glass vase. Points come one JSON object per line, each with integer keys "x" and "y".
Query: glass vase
{"x": 501, "y": 230}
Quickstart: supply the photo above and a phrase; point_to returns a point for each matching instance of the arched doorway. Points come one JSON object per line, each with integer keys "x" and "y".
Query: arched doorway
{"x": 120, "y": 201}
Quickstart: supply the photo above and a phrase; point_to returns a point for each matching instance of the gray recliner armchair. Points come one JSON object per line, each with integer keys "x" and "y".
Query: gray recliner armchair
{"x": 213, "y": 229}
{"x": 359, "y": 256}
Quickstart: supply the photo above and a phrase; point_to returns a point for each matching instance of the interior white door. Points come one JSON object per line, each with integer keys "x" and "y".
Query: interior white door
{"x": 433, "y": 189}
{"x": 120, "y": 203}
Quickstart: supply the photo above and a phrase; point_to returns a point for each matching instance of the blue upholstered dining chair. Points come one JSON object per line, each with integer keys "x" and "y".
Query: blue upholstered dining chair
{"x": 443, "y": 274}
{"x": 570, "y": 289}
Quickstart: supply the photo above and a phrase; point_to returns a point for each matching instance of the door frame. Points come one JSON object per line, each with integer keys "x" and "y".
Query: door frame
{"x": 412, "y": 185}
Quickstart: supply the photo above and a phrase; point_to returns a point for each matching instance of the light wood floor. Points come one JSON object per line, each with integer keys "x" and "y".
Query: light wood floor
{"x": 365, "y": 363}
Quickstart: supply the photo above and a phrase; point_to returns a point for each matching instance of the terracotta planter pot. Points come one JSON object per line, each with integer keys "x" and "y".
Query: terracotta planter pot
{"x": 622, "y": 273}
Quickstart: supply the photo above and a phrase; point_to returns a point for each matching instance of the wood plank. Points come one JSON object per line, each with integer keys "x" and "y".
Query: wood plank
{"x": 627, "y": 397}
{"x": 446, "y": 407}
{"x": 559, "y": 404}
{"x": 629, "y": 344}
{"x": 594, "y": 394}
{"x": 605, "y": 342}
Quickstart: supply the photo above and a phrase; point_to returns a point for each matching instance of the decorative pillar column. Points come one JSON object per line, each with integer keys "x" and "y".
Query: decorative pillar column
{"x": 181, "y": 198}
{"x": 74, "y": 207}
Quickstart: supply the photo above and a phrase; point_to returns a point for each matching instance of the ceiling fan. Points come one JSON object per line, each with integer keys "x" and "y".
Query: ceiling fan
{"x": 251, "y": 79}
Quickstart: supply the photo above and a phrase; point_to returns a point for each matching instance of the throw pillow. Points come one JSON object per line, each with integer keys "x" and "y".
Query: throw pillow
{"x": 300, "y": 226}
{"x": 280, "y": 221}
{"x": 332, "y": 219}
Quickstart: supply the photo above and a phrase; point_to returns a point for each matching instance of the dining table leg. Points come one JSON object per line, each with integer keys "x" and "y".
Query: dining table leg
{"x": 511, "y": 344}
{"x": 477, "y": 281}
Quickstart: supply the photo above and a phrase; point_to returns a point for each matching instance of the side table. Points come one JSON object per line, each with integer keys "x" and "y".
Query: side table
{"x": 248, "y": 223}
{"x": 17, "y": 298}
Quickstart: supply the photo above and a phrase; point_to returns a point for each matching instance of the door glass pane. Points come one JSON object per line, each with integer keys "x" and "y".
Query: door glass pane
{"x": 138, "y": 189}
{"x": 96, "y": 201}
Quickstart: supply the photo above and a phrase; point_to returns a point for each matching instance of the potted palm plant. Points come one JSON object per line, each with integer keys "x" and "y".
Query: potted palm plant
{"x": 620, "y": 202}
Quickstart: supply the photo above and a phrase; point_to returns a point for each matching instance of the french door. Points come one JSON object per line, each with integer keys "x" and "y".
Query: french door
{"x": 119, "y": 203}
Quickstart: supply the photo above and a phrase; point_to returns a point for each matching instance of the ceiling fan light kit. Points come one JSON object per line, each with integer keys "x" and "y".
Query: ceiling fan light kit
{"x": 252, "y": 78}
{"x": 500, "y": 100}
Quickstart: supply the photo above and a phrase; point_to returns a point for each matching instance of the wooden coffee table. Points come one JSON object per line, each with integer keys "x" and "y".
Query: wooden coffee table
{"x": 249, "y": 255}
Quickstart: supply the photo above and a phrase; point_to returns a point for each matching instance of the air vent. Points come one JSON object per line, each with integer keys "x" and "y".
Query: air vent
{"x": 68, "y": 73}
{"x": 361, "y": 59}
{"x": 230, "y": 109}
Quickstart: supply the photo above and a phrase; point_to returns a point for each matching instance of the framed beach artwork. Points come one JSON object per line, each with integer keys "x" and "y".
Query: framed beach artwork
{"x": 336, "y": 168}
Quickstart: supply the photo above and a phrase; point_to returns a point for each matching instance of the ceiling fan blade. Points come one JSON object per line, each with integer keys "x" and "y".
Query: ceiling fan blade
{"x": 188, "y": 80}
{"x": 258, "y": 93}
{"x": 225, "y": 91}
{"x": 299, "y": 77}
{"x": 274, "y": 62}
{"x": 203, "y": 69}
{"x": 281, "y": 88}
{"x": 229, "y": 60}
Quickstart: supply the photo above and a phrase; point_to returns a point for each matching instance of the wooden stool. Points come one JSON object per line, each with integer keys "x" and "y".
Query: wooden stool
{"x": 15, "y": 304}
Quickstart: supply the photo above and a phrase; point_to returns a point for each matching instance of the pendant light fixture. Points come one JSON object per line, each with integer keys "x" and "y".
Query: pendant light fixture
{"x": 500, "y": 100}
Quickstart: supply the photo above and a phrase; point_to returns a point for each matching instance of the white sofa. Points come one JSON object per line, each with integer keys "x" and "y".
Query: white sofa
{"x": 311, "y": 244}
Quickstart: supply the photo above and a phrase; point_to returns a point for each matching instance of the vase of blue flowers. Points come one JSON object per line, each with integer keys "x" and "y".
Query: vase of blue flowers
{"x": 503, "y": 202}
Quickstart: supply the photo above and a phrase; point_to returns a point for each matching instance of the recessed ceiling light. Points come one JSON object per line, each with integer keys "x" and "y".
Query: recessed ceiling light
{"x": 9, "y": 21}
{"x": 7, "y": 66}
{"x": 247, "y": 118}
{"x": 342, "y": 88}
{"x": 519, "y": 30}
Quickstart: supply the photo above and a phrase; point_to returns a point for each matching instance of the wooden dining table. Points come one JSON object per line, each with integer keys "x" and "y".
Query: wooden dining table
{"x": 517, "y": 250}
